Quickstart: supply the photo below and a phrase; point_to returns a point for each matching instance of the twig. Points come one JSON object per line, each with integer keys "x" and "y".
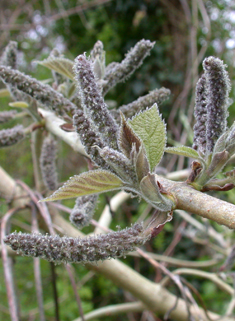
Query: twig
{"x": 169, "y": 274}
{"x": 111, "y": 310}
{"x": 178, "y": 262}
{"x": 71, "y": 11}
{"x": 210, "y": 231}
{"x": 37, "y": 270}
{"x": 55, "y": 292}
{"x": 78, "y": 299}
{"x": 210, "y": 276}
{"x": 7, "y": 265}
{"x": 115, "y": 203}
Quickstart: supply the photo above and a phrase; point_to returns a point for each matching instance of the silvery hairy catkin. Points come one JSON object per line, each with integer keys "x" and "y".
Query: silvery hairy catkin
{"x": 155, "y": 96}
{"x": 117, "y": 72}
{"x": 218, "y": 87}
{"x": 11, "y": 136}
{"x": 42, "y": 93}
{"x": 67, "y": 249}
{"x": 83, "y": 210}
{"x": 48, "y": 164}
{"x": 200, "y": 113}
{"x": 5, "y": 116}
{"x": 88, "y": 137}
{"x": 9, "y": 56}
{"x": 93, "y": 103}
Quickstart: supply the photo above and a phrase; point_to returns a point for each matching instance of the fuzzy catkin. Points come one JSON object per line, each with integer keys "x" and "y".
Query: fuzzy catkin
{"x": 9, "y": 56}
{"x": 83, "y": 210}
{"x": 67, "y": 249}
{"x": 120, "y": 71}
{"x": 156, "y": 96}
{"x": 93, "y": 102}
{"x": 44, "y": 94}
{"x": 48, "y": 164}
{"x": 5, "y": 116}
{"x": 11, "y": 136}
{"x": 218, "y": 87}
{"x": 88, "y": 137}
{"x": 200, "y": 113}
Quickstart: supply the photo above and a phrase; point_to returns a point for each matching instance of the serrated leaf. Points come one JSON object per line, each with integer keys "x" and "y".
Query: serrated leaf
{"x": 183, "y": 151}
{"x": 19, "y": 104}
{"x": 151, "y": 129}
{"x": 61, "y": 65}
{"x": 4, "y": 93}
{"x": 93, "y": 182}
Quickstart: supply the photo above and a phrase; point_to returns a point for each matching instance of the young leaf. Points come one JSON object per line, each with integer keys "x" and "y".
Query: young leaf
{"x": 61, "y": 65}
{"x": 183, "y": 151}
{"x": 93, "y": 182}
{"x": 127, "y": 138}
{"x": 151, "y": 193}
{"x": 20, "y": 104}
{"x": 151, "y": 129}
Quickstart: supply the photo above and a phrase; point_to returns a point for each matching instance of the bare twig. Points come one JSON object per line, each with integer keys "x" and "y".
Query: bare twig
{"x": 7, "y": 264}
{"x": 111, "y": 310}
{"x": 37, "y": 270}
{"x": 78, "y": 299}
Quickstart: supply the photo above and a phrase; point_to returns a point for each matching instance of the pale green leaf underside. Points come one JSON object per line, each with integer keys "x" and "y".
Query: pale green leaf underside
{"x": 93, "y": 182}
{"x": 183, "y": 151}
{"x": 19, "y": 104}
{"x": 151, "y": 129}
{"x": 63, "y": 66}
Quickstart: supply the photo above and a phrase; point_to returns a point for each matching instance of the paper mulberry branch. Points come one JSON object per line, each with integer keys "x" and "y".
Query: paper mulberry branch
{"x": 127, "y": 155}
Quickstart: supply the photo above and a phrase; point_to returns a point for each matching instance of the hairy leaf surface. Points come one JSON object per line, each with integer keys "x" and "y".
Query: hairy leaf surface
{"x": 151, "y": 129}
{"x": 61, "y": 65}
{"x": 93, "y": 182}
{"x": 183, "y": 151}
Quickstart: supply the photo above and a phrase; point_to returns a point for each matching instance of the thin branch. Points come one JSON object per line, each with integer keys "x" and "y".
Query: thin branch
{"x": 115, "y": 203}
{"x": 116, "y": 309}
{"x": 78, "y": 299}
{"x": 207, "y": 231}
{"x": 37, "y": 270}
{"x": 210, "y": 276}
{"x": 71, "y": 11}
{"x": 55, "y": 292}
{"x": 7, "y": 265}
{"x": 178, "y": 262}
